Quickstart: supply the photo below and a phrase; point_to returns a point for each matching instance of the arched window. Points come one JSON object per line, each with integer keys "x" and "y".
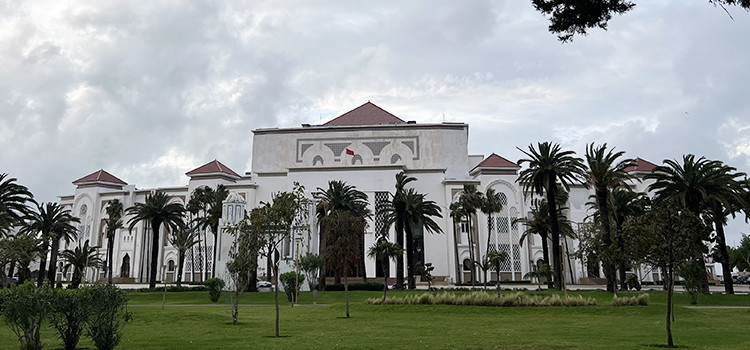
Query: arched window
{"x": 467, "y": 265}
{"x": 170, "y": 265}
{"x": 317, "y": 159}
{"x": 357, "y": 158}
{"x": 395, "y": 158}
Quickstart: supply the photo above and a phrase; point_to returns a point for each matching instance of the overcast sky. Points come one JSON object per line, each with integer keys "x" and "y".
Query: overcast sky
{"x": 151, "y": 91}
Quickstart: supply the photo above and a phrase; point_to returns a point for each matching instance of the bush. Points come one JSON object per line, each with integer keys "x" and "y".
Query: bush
{"x": 635, "y": 300}
{"x": 214, "y": 286}
{"x": 486, "y": 299}
{"x": 338, "y": 287}
{"x": 288, "y": 280}
{"x": 69, "y": 315}
{"x": 632, "y": 282}
{"x": 108, "y": 315}
{"x": 24, "y": 308}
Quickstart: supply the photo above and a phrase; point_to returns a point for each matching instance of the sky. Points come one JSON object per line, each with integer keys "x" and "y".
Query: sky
{"x": 151, "y": 90}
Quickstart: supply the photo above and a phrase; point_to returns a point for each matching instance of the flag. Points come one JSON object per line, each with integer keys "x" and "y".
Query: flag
{"x": 349, "y": 152}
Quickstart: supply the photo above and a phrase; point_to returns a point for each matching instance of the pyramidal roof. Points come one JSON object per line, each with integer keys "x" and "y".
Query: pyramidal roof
{"x": 100, "y": 176}
{"x": 212, "y": 167}
{"x": 495, "y": 161}
{"x": 366, "y": 114}
{"x": 641, "y": 165}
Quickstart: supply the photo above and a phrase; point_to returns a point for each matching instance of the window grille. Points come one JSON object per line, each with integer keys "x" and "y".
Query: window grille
{"x": 381, "y": 197}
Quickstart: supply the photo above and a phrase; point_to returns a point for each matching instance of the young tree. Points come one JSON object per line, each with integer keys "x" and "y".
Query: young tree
{"x": 344, "y": 230}
{"x": 539, "y": 273}
{"x": 385, "y": 251}
{"x": 311, "y": 264}
{"x": 546, "y": 166}
{"x": 243, "y": 257}
{"x": 494, "y": 260}
{"x": 80, "y": 258}
{"x": 183, "y": 240}
{"x": 156, "y": 210}
{"x": 666, "y": 236}
{"x": 112, "y": 223}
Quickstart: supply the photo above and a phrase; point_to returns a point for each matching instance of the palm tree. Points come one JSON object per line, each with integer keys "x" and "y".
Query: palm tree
{"x": 14, "y": 199}
{"x": 79, "y": 259}
{"x": 113, "y": 223}
{"x": 548, "y": 165}
{"x": 538, "y": 273}
{"x": 456, "y": 213}
{"x": 194, "y": 207}
{"x": 394, "y": 214}
{"x": 419, "y": 213}
{"x": 212, "y": 200}
{"x": 183, "y": 239}
{"x": 342, "y": 197}
{"x": 156, "y": 210}
{"x": 625, "y": 204}
{"x": 494, "y": 259}
{"x": 51, "y": 223}
{"x": 491, "y": 203}
{"x": 701, "y": 186}
{"x": 470, "y": 200}
{"x": 604, "y": 174}
{"x": 386, "y": 251}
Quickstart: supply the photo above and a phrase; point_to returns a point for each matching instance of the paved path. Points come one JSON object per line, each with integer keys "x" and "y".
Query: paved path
{"x": 719, "y": 307}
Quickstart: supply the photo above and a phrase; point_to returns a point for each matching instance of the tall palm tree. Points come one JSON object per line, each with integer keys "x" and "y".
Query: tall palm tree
{"x": 471, "y": 200}
{"x": 14, "y": 203}
{"x": 456, "y": 213}
{"x": 113, "y": 223}
{"x": 604, "y": 174}
{"x": 394, "y": 214}
{"x": 52, "y": 223}
{"x": 183, "y": 239}
{"x": 547, "y": 166}
{"x": 491, "y": 203}
{"x": 419, "y": 213}
{"x": 80, "y": 259}
{"x": 212, "y": 200}
{"x": 700, "y": 185}
{"x": 156, "y": 210}
{"x": 342, "y": 197}
{"x": 386, "y": 251}
{"x": 195, "y": 208}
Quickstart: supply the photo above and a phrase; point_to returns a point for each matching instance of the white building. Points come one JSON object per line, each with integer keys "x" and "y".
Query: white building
{"x": 366, "y": 148}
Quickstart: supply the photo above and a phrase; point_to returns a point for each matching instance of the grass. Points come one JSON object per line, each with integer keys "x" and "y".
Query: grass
{"x": 421, "y": 326}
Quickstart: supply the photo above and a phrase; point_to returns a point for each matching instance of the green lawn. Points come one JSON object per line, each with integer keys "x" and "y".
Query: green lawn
{"x": 420, "y": 326}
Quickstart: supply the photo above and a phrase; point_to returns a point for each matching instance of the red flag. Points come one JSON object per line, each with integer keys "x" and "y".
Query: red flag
{"x": 349, "y": 152}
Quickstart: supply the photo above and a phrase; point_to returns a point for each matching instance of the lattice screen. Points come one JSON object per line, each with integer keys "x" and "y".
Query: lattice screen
{"x": 380, "y": 228}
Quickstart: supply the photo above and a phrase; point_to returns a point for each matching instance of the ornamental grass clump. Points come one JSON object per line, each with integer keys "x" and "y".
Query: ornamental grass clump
{"x": 485, "y": 299}
{"x": 635, "y": 300}
{"x": 214, "y": 286}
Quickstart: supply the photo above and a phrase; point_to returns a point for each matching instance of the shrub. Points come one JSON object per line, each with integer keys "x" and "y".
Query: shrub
{"x": 108, "y": 315}
{"x": 214, "y": 286}
{"x": 635, "y": 300}
{"x": 24, "y": 308}
{"x": 339, "y": 287}
{"x": 69, "y": 315}
{"x": 288, "y": 280}
{"x": 486, "y": 299}
{"x": 632, "y": 282}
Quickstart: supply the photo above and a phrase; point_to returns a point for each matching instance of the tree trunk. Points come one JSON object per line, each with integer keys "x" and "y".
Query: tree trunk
{"x": 471, "y": 253}
{"x": 670, "y": 291}
{"x": 385, "y": 279}
{"x": 604, "y": 219}
{"x": 110, "y": 249}
{"x": 555, "y": 229}
{"x": 51, "y": 271}
{"x": 12, "y": 268}
{"x": 181, "y": 260}
{"x": 213, "y": 259}
{"x": 400, "y": 257}
{"x": 154, "y": 253}
{"x": 205, "y": 255}
{"x": 455, "y": 253}
{"x": 346, "y": 292}
{"x": 410, "y": 256}
{"x": 276, "y": 298}
{"x": 42, "y": 264}
{"x": 723, "y": 255}
{"x": 545, "y": 252}
{"x": 497, "y": 268}
{"x": 252, "y": 285}
{"x": 363, "y": 268}
{"x": 321, "y": 253}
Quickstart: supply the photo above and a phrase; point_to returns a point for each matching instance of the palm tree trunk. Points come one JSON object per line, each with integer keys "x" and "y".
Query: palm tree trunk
{"x": 555, "y": 229}
{"x": 455, "y": 253}
{"x": 545, "y": 258}
{"x": 497, "y": 268}
{"x": 51, "y": 271}
{"x": 400, "y": 258}
{"x": 181, "y": 260}
{"x": 385, "y": 278}
{"x": 42, "y": 263}
{"x": 110, "y": 248}
{"x": 154, "y": 253}
{"x": 609, "y": 266}
{"x": 670, "y": 292}
{"x": 410, "y": 256}
{"x": 346, "y": 292}
{"x": 363, "y": 268}
{"x": 213, "y": 258}
{"x": 471, "y": 253}
{"x": 205, "y": 255}
{"x": 724, "y": 255}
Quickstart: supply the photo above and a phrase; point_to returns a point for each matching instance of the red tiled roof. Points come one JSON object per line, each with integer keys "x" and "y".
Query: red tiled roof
{"x": 212, "y": 167}
{"x": 366, "y": 114}
{"x": 100, "y": 176}
{"x": 641, "y": 165}
{"x": 495, "y": 161}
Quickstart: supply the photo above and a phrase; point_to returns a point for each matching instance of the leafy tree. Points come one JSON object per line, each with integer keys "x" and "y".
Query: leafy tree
{"x": 605, "y": 173}
{"x": 24, "y": 309}
{"x": 80, "y": 258}
{"x": 243, "y": 259}
{"x": 666, "y": 236}
{"x": 291, "y": 281}
{"x": 113, "y": 223}
{"x": 699, "y": 185}
{"x": 625, "y": 204}
{"x": 547, "y": 165}
{"x": 108, "y": 314}
{"x": 311, "y": 264}
{"x": 385, "y": 251}
{"x": 341, "y": 197}
{"x": 571, "y": 17}
{"x": 69, "y": 315}
{"x": 494, "y": 260}
{"x": 183, "y": 240}
{"x": 425, "y": 272}
{"x": 22, "y": 248}
{"x": 14, "y": 203}
{"x": 740, "y": 256}
{"x": 344, "y": 229}
{"x": 214, "y": 286}
{"x": 52, "y": 223}
{"x": 156, "y": 211}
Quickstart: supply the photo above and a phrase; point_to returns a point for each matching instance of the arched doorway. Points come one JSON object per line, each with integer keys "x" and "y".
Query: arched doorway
{"x": 170, "y": 271}
{"x": 125, "y": 267}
